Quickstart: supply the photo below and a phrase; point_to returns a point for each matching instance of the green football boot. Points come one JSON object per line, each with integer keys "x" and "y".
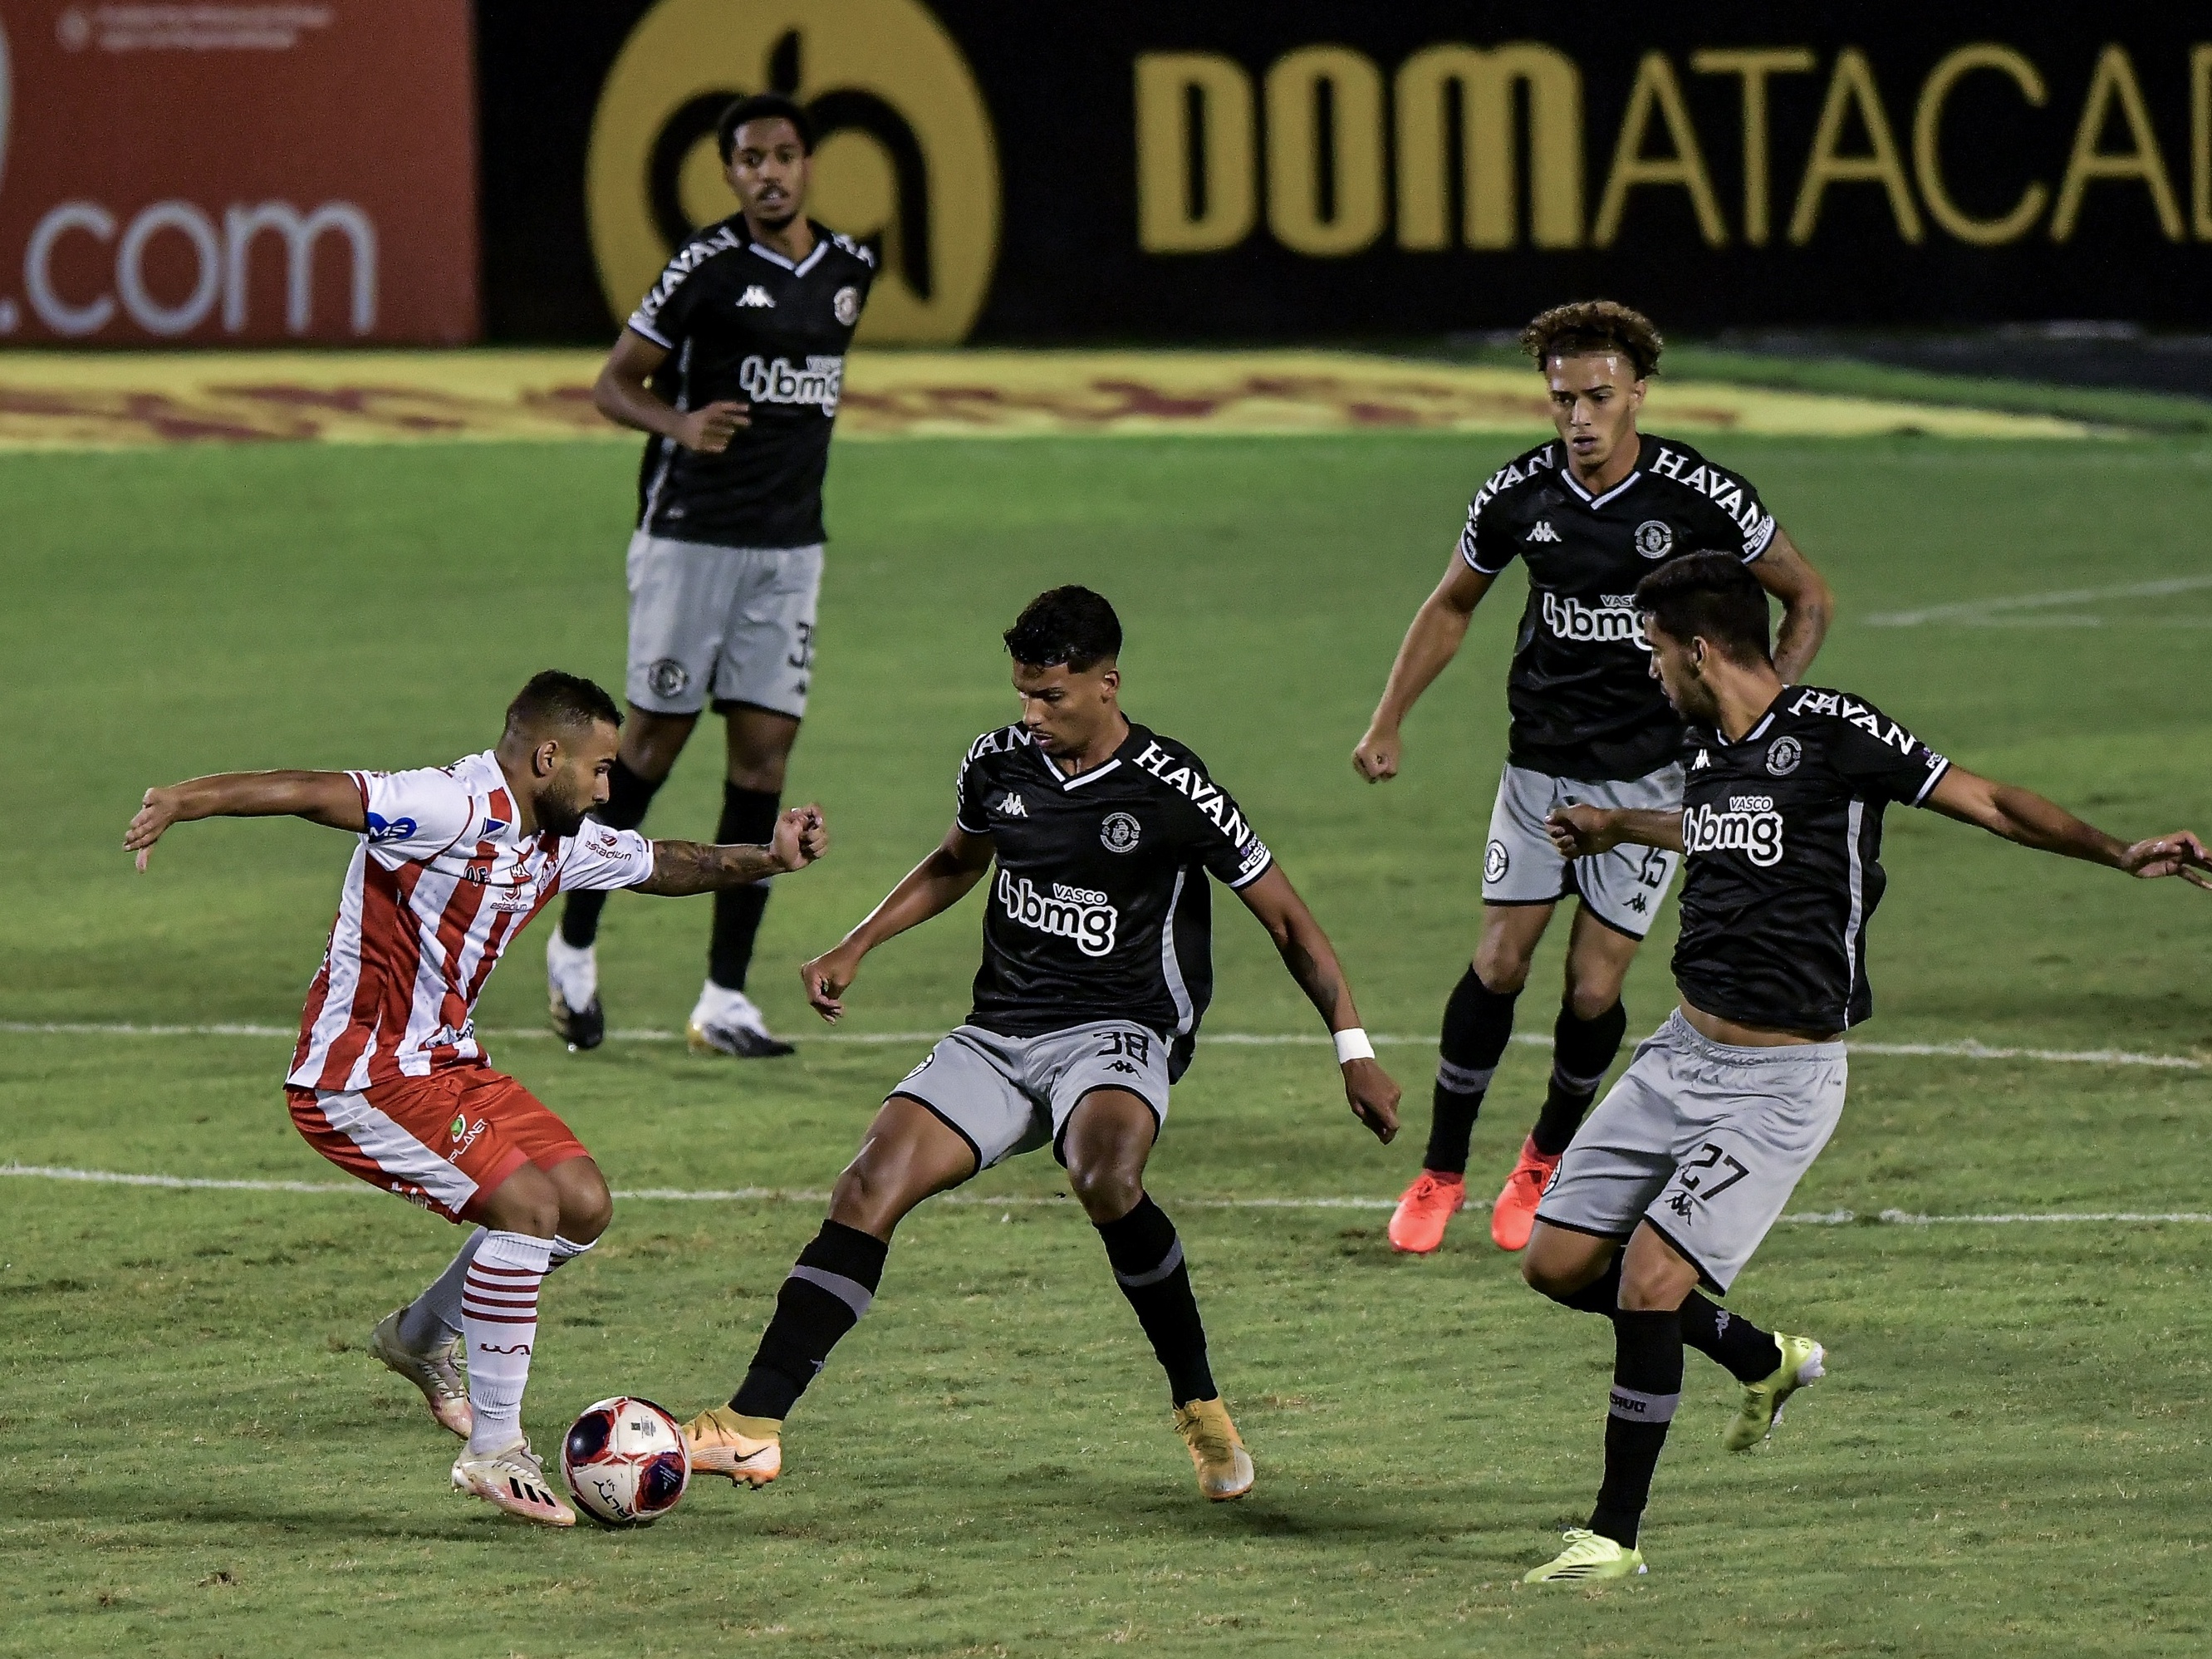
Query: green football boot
{"x": 1801, "y": 1364}
{"x": 1589, "y": 1556}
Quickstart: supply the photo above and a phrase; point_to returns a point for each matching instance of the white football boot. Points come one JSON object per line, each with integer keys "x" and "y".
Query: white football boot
{"x": 513, "y": 1481}
{"x": 725, "y": 1022}
{"x": 437, "y": 1373}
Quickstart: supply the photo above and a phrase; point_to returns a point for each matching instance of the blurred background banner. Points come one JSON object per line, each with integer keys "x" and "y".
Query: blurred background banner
{"x": 237, "y": 174}
{"x": 1288, "y": 170}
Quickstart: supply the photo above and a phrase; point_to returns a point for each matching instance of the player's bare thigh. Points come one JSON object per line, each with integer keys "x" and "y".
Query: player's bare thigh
{"x": 1508, "y": 944}
{"x": 569, "y": 1200}
{"x": 908, "y": 1154}
{"x": 1559, "y": 1261}
{"x": 1109, "y": 1137}
{"x": 1654, "y": 1275}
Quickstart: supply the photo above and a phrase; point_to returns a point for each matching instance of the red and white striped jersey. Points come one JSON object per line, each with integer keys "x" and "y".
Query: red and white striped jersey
{"x": 438, "y": 886}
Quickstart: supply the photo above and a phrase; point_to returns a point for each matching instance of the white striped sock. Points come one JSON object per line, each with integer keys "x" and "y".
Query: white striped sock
{"x": 499, "y": 1317}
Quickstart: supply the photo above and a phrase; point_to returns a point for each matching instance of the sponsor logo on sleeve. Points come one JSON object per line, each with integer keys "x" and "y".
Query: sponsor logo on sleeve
{"x": 1854, "y": 713}
{"x": 381, "y": 829}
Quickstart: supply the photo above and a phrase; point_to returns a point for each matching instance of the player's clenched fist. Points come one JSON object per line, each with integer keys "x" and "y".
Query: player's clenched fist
{"x": 802, "y": 835}
{"x": 1376, "y": 756}
{"x": 828, "y": 978}
{"x": 708, "y": 430}
{"x": 1374, "y": 1097}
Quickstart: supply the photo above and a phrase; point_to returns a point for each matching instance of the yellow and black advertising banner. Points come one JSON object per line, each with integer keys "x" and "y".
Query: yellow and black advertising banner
{"x": 1245, "y": 171}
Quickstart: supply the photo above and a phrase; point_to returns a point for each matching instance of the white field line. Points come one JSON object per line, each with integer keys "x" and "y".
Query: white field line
{"x": 1983, "y": 612}
{"x": 984, "y": 1201}
{"x": 1967, "y": 1049}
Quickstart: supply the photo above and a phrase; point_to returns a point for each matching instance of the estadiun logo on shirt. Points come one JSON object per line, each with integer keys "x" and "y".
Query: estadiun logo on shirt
{"x": 1614, "y": 624}
{"x": 822, "y": 382}
{"x": 1079, "y": 914}
{"x": 1751, "y": 826}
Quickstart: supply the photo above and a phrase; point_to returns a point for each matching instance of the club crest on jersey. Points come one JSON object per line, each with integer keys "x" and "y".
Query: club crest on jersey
{"x": 1782, "y": 756}
{"x": 845, "y": 306}
{"x": 1013, "y": 806}
{"x": 1543, "y": 532}
{"x": 1655, "y": 538}
{"x": 1118, "y": 833}
{"x": 1496, "y": 861}
{"x": 1081, "y": 914}
{"x": 756, "y": 296}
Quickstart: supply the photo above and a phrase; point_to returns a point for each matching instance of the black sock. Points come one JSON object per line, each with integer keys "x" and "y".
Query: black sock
{"x": 749, "y": 817}
{"x": 1647, "y": 1385}
{"x": 1581, "y": 1051}
{"x": 1148, "y": 1265}
{"x": 1729, "y": 1340}
{"x": 1601, "y": 1294}
{"x": 829, "y": 1288}
{"x": 628, "y": 795}
{"x": 1477, "y": 1022}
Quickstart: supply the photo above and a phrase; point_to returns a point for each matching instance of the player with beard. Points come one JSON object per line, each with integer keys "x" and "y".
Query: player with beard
{"x": 389, "y": 1082}
{"x": 735, "y": 363}
{"x": 1692, "y": 1157}
{"x": 1587, "y": 515}
{"x": 1097, "y": 971}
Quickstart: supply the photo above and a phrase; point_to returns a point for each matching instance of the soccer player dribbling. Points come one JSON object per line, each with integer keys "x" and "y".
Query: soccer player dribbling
{"x": 735, "y": 364}
{"x": 1588, "y": 514}
{"x": 389, "y": 1081}
{"x": 1096, "y": 970}
{"x": 1681, "y": 1172}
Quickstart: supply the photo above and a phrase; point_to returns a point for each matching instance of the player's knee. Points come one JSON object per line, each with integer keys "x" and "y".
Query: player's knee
{"x": 1646, "y": 1289}
{"x": 1107, "y": 1189}
{"x": 1502, "y": 965}
{"x": 588, "y": 1208}
{"x": 1590, "y": 996}
{"x": 868, "y": 1196}
{"x": 527, "y": 1202}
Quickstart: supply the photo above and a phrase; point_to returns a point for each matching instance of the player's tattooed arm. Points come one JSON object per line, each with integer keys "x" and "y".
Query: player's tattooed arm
{"x": 325, "y": 797}
{"x": 680, "y": 867}
{"x": 931, "y": 887}
{"x": 1808, "y": 605}
{"x": 1430, "y": 643}
{"x": 2022, "y": 816}
{"x": 1306, "y": 951}
{"x": 1582, "y": 832}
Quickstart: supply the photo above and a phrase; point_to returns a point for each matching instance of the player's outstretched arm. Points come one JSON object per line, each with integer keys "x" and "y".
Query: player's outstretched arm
{"x": 1312, "y": 959}
{"x": 325, "y": 797}
{"x": 680, "y": 867}
{"x": 933, "y": 886}
{"x": 1582, "y": 832}
{"x": 623, "y": 395}
{"x": 1808, "y": 605}
{"x": 1430, "y": 643}
{"x": 2021, "y": 815}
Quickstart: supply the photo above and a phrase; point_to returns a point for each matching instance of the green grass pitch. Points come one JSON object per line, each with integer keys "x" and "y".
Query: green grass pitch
{"x": 197, "y": 1456}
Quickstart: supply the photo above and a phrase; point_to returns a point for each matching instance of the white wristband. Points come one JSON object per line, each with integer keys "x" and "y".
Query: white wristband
{"x": 1352, "y": 1044}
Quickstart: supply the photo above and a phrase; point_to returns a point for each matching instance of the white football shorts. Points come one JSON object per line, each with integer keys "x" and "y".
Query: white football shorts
{"x": 1623, "y": 888}
{"x": 729, "y": 624}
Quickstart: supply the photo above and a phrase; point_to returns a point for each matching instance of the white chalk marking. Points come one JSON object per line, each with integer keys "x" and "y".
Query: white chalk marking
{"x": 1983, "y": 612}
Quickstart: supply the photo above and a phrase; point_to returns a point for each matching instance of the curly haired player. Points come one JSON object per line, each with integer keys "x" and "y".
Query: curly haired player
{"x": 1588, "y": 514}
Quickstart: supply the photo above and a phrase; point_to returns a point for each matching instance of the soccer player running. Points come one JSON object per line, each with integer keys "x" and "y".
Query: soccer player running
{"x": 1588, "y": 514}
{"x": 1680, "y": 1173}
{"x": 390, "y": 1081}
{"x": 734, "y": 362}
{"x": 1096, "y": 970}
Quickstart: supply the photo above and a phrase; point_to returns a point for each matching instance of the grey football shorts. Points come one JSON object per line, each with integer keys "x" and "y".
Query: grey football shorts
{"x": 1623, "y": 888}
{"x": 735, "y": 624}
{"x": 1004, "y": 1095}
{"x": 1703, "y": 1139}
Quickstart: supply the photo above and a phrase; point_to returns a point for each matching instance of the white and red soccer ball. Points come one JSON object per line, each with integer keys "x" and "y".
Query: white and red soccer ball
{"x": 625, "y": 1462}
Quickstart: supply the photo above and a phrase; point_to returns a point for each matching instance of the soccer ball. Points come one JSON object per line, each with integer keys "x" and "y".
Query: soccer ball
{"x": 625, "y": 1462}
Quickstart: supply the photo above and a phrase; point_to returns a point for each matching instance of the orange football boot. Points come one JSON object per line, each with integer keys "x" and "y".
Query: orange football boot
{"x": 1513, "y": 1218}
{"x": 1416, "y": 1225}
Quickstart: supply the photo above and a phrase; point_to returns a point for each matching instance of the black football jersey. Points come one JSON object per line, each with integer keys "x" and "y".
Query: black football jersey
{"x": 1782, "y": 833}
{"x": 741, "y": 322}
{"x": 1098, "y": 906}
{"x": 1583, "y": 700}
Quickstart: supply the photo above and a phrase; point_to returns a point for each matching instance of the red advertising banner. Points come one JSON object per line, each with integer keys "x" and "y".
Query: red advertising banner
{"x": 243, "y": 173}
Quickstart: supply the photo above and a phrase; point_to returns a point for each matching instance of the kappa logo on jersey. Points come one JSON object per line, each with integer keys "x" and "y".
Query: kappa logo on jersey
{"x": 1081, "y": 914}
{"x": 1013, "y": 806}
{"x": 1751, "y": 826}
{"x": 1782, "y": 756}
{"x": 1703, "y": 761}
{"x": 1543, "y": 532}
{"x": 756, "y": 295}
{"x": 1655, "y": 538}
{"x": 1118, "y": 833}
{"x": 1614, "y": 622}
{"x": 822, "y": 382}
{"x": 381, "y": 829}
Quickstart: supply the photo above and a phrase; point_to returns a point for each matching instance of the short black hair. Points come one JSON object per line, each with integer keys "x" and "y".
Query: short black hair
{"x": 1710, "y": 596}
{"x": 761, "y": 106}
{"x": 566, "y": 702}
{"x": 1071, "y": 625}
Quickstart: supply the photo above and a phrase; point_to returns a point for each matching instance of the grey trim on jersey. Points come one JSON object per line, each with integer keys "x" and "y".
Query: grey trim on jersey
{"x": 1239, "y": 886}
{"x": 1856, "y": 920}
{"x": 850, "y": 1292}
{"x": 1170, "y": 969}
{"x": 668, "y": 446}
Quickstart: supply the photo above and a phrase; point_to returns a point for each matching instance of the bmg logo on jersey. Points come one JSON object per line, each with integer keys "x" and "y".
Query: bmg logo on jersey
{"x": 904, "y": 148}
{"x": 1614, "y": 621}
{"x": 822, "y": 382}
{"x": 1080, "y": 914}
{"x": 1751, "y": 826}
